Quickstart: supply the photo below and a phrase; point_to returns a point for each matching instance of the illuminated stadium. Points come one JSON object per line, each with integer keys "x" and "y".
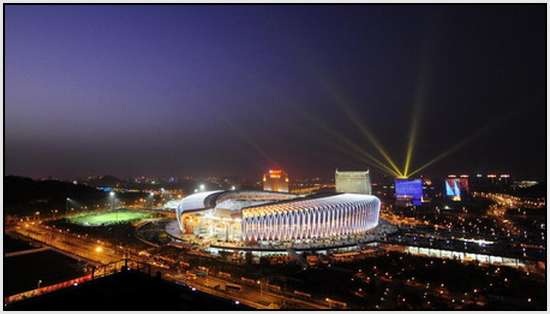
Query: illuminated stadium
{"x": 259, "y": 218}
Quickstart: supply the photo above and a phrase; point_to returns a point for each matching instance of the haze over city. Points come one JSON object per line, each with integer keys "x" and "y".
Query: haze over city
{"x": 275, "y": 157}
{"x": 234, "y": 90}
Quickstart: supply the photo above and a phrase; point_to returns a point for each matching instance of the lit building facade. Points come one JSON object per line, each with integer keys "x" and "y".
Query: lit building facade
{"x": 217, "y": 214}
{"x": 317, "y": 218}
{"x": 275, "y": 181}
{"x": 353, "y": 182}
{"x": 253, "y": 216}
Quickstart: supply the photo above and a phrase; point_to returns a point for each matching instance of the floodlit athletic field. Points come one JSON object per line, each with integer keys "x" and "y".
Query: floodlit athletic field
{"x": 108, "y": 218}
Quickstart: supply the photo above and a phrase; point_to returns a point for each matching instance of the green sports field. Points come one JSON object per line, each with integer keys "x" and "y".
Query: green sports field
{"x": 108, "y": 218}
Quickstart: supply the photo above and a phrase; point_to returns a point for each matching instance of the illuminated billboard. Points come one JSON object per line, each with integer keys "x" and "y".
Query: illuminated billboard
{"x": 455, "y": 188}
{"x": 409, "y": 189}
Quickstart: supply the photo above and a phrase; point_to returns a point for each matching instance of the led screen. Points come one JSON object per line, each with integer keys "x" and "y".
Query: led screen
{"x": 452, "y": 188}
{"x": 455, "y": 188}
{"x": 409, "y": 189}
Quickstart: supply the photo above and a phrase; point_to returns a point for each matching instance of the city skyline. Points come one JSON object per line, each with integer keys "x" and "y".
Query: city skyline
{"x": 177, "y": 90}
{"x": 292, "y": 157}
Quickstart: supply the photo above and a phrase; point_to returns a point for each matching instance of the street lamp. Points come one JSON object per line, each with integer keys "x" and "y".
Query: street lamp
{"x": 112, "y": 196}
{"x": 201, "y": 187}
{"x": 67, "y": 204}
{"x": 152, "y": 196}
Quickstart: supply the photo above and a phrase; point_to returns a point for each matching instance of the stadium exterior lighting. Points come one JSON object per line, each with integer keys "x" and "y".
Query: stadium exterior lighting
{"x": 333, "y": 216}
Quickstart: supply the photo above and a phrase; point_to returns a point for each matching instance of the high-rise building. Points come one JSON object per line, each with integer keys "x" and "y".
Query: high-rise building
{"x": 275, "y": 180}
{"x": 353, "y": 182}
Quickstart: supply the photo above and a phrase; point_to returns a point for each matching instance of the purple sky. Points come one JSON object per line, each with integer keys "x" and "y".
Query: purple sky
{"x": 224, "y": 89}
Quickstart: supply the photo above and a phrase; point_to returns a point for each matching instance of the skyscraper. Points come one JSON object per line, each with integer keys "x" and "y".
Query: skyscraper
{"x": 276, "y": 181}
{"x": 353, "y": 182}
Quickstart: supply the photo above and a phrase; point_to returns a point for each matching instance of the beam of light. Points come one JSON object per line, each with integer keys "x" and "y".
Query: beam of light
{"x": 352, "y": 145}
{"x": 365, "y": 156}
{"x": 411, "y": 143}
{"x": 446, "y": 153}
{"x": 352, "y": 153}
{"x": 395, "y": 171}
{"x": 460, "y": 144}
{"x": 418, "y": 104}
{"x": 361, "y": 158}
{"x": 358, "y": 123}
{"x": 369, "y": 135}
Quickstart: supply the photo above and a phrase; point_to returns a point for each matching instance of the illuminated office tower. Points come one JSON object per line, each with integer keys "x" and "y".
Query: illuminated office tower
{"x": 275, "y": 181}
{"x": 353, "y": 182}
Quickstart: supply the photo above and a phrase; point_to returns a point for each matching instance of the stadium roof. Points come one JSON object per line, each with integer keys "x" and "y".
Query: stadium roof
{"x": 309, "y": 203}
{"x": 196, "y": 200}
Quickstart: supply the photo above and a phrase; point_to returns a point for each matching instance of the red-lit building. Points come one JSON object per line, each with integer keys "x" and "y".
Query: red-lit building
{"x": 275, "y": 180}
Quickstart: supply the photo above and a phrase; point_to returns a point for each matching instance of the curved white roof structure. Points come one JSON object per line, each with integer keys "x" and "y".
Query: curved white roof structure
{"x": 195, "y": 201}
{"x": 172, "y": 204}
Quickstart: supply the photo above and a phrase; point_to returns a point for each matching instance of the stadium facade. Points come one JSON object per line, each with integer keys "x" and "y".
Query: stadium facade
{"x": 324, "y": 217}
{"x": 258, "y": 216}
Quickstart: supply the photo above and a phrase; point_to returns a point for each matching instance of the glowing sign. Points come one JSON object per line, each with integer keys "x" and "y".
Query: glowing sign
{"x": 452, "y": 189}
{"x": 275, "y": 174}
{"x": 409, "y": 189}
{"x": 455, "y": 188}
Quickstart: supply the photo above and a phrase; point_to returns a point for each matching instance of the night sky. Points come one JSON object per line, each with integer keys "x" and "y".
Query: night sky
{"x": 205, "y": 90}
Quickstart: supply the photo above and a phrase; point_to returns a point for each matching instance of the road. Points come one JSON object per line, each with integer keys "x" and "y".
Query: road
{"x": 98, "y": 252}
